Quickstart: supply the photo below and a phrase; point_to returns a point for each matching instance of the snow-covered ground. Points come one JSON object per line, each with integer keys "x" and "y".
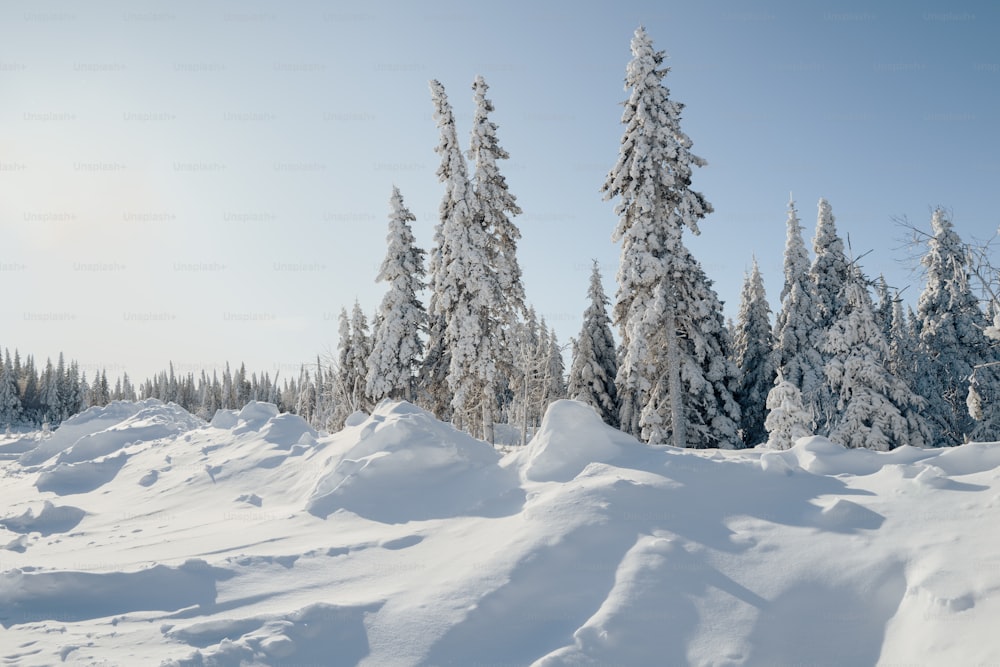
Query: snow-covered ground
{"x": 138, "y": 535}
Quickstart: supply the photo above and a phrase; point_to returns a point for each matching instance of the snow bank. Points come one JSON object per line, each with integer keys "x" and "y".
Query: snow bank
{"x": 30, "y": 597}
{"x": 407, "y": 466}
{"x": 99, "y": 431}
{"x": 50, "y": 519}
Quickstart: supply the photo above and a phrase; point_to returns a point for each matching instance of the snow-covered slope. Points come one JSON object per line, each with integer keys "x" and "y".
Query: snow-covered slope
{"x": 137, "y": 534}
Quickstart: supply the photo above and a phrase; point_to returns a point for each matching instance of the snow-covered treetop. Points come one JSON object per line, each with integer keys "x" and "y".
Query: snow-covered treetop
{"x": 495, "y": 203}
{"x": 452, "y": 170}
{"x": 830, "y": 268}
{"x": 403, "y": 261}
{"x": 653, "y": 173}
{"x": 796, "y": 255}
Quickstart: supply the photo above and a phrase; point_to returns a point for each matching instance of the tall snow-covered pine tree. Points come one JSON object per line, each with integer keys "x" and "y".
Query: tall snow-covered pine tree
{"x": 464, "y": 284}
{"x": 674, "y": 376}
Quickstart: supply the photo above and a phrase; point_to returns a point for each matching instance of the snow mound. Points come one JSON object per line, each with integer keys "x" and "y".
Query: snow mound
{"x": 99, "y": 431}
{"x": 51, "y": 519}
{"x": 320, "y": 634}
{"x": 225, "y": 419}
{"x": 254, "y": 415}
{"x": 287, "y": 430}
{"x": 820, "y": 456}
{"x": 401, "y": 464}
{"x": 27, "y": 597}
{"x": 571, "y": 436}
{"x": 69, "y": 478}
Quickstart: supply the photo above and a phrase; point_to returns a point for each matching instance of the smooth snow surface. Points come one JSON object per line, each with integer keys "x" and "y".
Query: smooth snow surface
{"x": 137, "y": 534}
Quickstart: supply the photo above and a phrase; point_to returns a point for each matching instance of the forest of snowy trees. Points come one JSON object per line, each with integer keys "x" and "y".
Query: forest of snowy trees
{"x": 844, "y": 357}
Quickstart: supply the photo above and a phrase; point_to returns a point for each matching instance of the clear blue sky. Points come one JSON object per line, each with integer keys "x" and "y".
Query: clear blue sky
{"x": 210, "y": 182}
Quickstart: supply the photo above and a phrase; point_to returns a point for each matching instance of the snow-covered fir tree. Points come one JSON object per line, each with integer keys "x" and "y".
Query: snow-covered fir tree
{"x": 353, "y": 352}
{"x": 466, "y": 291}
{"x": 10, "y": 402}
{"x": 496, "y": 208}
{"x": 951, "y": 341}
{"x": 709, "y": 376}
{"x": 526, "y": 382}
{"x": 875, "y": 409}
{"x": 51, "y": 401}
{"x": 670, "y": 319}
{"x": 903, "y": 352}
{"x": 753, "y": 355}
{"x": 396, "y": 344}
{"x": 554, "y": 374}
{"x": 787, "y": 419}
{"x": 595, "y": 360}
{"x": 884, "y": 301}
{"x": 797, "y": 358}
{"x": 829, "y": 275}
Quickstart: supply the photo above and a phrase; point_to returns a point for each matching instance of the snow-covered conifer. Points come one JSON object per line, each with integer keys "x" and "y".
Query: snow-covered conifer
{"x": 353, "y": 361}
{"x": 787, "y": 419}
{"x": 396, "y": 345}
{"x": 554, "y": 387}
{"x": 829, "y": 275}
{"x": 465, "y": 287}
{"x": 875, "y": 409}
{"x": 883, "y": 306}
{"x": 667, "y": 312}
{"x": 595, "y": 361}
{"x": 952, "y": 341}
{"x": 753, "y": 355}
{"x": 797, "y": 357}
{"x": 496, "y": 206}
{"x": 51, "y": 402}
{"x": 10, "y": 402}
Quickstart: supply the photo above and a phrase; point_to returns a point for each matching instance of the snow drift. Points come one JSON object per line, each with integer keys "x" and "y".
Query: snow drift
{"x": 137, "y": 534}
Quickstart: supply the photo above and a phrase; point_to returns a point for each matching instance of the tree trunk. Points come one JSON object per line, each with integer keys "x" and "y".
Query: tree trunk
{"x": 678, "y": 422}
{"x": 488, "y": 434}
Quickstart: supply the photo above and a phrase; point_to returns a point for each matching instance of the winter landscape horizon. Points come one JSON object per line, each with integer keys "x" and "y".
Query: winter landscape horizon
{"x": 462, "y": 431}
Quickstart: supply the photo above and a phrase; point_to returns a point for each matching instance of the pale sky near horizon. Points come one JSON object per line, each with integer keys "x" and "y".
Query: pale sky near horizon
{"x": 210, "y": 183}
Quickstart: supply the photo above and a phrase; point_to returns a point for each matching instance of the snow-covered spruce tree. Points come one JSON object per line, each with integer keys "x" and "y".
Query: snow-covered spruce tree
{"x": 465, "y": 286}
{"x": 797, "y": 358}
{"x": 343, "y": 396}
{"x": 595, "y": 360}
{"x": 357, "y": 359}
{"x": 51, "y": 402}
{"x": 707, "y": 372}
{"x": 951, "y": 340}
{"x": 526, "y": 383}
{"x": 787, "y": 419}
{"x": 396, "y": 344}
{"x": 875, "y": 409}
{"x": 753, "y": 355}
{"x": 10, "y": 402}
{"x": 883, "y": 306}
{"x": 903, "y": 352}
{"x": 829, "y": 275}
{"x": 554, "y": 377}
{"x": 494, "y": 210}
{"x": 432, "y": 385}
{"x": 670, "y": 319}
